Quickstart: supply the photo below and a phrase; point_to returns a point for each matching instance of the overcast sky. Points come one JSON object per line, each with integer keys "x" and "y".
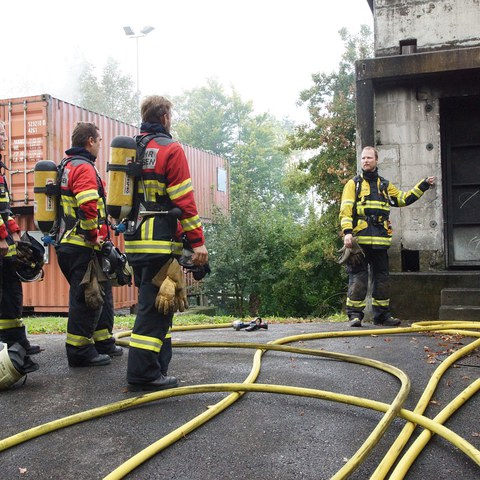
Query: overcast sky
{"x": 266, "y": 49}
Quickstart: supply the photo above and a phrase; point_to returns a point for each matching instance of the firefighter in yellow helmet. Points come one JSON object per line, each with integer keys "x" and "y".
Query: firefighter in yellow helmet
{"x": 364, "y": 219}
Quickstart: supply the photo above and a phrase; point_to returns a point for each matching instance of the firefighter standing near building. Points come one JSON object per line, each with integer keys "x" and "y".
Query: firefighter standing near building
{"x": 12, "y": 328}
{"x": 83, "y": 229}
{"x": 364, "y": 219}
{"x": 165, "y": 186}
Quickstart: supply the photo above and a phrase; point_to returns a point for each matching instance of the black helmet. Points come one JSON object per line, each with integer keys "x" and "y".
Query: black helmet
{"x": 115, "y": 265}
{"x": 29, "y": 259}
{"x": 185, "y": 260}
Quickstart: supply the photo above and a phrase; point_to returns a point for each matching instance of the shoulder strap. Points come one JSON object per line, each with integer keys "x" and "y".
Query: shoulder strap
{"x": 142, "y": 142}
{"x": 358, "y": 186}
{"x": 384, "y": 183}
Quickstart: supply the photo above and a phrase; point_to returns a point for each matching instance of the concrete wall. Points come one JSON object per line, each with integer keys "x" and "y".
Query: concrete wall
{"x": 408, "y": 142}
{"x": 438, "y": 24}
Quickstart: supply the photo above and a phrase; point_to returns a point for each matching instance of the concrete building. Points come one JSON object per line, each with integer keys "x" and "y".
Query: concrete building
{"x": 418, "y": 102}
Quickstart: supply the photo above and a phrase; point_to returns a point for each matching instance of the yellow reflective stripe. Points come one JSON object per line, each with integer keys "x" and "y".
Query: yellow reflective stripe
{"x": 191, "y": 223}
{"x": 153, "y": 246}
{"x": 346, "y": 202}
{"x": 100, "y": 335}
{"x": 101, "y": 208}
{"x": 68, "y": 201}
{"x": 6, "y": 323}
{"x": 86, "y": 196}
{"x": 401, "y": 199}
{"x": 153, "y": 188}
{"x": 147, "y": 229}
{"x": 78, "y": 340}
{"x": 169, "y": 333}
{"x": 69, "y": 211}
{"x": 181, "y": 189}
{"x": 375, "y": 205}
{"x": 12, "y": 250}
{"x": 145, "y": 343}
{"x": 89, "y": 224}
{"x": 416, "y": 191}
{"x": 380, "y": 303}
{"x": 68, "y": 204}
{"x": 356, "y": 303}
{"x": 363, "y": 240}
{"x": 77, "y": 240}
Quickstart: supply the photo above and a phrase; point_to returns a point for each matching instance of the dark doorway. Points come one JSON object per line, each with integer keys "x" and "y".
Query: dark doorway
{"x": 460, "y": 130}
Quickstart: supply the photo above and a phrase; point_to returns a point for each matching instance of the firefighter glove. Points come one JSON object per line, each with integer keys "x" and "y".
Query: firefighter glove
{"x": 172, "y": 294}
{"x": 92, "y": 288}
{"x": 165, "y": 301}
{"x": 351, "y": 255}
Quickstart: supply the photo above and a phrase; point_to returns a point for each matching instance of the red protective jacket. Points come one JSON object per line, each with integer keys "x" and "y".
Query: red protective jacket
{"x": 167, "y": 182}
{"x": 82, "y": 200}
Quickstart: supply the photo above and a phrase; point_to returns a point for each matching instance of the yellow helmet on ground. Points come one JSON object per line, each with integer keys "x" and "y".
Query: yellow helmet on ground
{"x": 14, "y": 364}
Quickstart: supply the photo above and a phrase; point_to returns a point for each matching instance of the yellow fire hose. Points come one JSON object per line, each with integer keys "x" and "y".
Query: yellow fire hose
{"x": 392, "y": 410}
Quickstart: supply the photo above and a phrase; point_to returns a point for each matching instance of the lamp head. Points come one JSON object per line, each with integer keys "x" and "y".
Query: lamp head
{"x": 147, "y": 29}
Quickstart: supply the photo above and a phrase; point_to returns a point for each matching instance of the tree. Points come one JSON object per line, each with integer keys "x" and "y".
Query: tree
{"x": 330, "y": 138}
{"x": 263, "y": 211}
{"x": 112, "y": 95}
{"x": 328, "y": 160}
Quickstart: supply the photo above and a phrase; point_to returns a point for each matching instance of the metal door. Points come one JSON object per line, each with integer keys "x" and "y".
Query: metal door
{"x": 460, "y": 129}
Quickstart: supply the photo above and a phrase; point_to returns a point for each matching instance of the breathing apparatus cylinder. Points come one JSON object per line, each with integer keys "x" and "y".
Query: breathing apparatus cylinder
{"x": 121, "y": 178}
{"x": 45, "y": 189}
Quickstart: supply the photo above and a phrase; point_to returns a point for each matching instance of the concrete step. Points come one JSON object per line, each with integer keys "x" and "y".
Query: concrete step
{"x": 459, "y": 312}
{"x": 460, "y": 296}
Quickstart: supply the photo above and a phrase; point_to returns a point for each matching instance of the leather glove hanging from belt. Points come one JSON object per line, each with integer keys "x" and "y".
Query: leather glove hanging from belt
{"x": 172, "y": 293}
{"x": 91, "y": 283}
{"x": 351, "y": 256}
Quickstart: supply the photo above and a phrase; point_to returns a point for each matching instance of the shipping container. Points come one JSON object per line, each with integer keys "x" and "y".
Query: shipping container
{"x": 39, "y": 128}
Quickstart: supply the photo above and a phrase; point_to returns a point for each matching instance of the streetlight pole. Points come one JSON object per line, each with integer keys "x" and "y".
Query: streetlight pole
{"x": 131, "y": 34}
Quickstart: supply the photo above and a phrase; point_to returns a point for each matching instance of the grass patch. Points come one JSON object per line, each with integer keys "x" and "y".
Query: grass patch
{"x": 125, "y": 322}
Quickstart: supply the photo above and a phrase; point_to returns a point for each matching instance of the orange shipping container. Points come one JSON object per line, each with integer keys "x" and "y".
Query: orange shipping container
{"x": 39, "y": 128}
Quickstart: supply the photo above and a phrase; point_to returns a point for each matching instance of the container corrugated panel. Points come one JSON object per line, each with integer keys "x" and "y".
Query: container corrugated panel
{"x": 206, "y": 169}
{"x": 39, "y": 128}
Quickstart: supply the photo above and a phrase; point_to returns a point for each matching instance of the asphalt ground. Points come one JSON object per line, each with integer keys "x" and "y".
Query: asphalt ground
{"x": 262, "y": 435}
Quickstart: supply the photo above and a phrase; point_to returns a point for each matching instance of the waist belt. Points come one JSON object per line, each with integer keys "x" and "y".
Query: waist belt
{"x": 374, "y": 219}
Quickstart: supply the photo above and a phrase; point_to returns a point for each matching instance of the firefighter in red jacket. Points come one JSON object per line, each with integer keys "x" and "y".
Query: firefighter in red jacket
{"x": 165, "y": 185}
{"x": 83, "y": 229}
{"x": 12, "y": 329}
{"x": 364, "y": 215}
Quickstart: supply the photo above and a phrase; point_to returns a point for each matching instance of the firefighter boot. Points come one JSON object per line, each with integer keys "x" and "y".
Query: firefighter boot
{"x": 161, "y": 383}
{"x": 387, "y": 322}
{"x": 19, "y": 335}
{"x": 355, "y": 322}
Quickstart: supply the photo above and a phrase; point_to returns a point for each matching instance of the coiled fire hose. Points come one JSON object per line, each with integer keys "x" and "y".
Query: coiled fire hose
{"x": 392, "y": 410}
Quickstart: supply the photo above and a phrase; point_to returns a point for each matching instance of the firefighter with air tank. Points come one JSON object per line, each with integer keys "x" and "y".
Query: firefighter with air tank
{"x": 76, "y": 213}
{"x": 158, "y": 215}
{"x": 365, "y": 223}
{"x": 15, "y": 348}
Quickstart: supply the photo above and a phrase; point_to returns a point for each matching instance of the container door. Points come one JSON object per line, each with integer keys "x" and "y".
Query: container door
{"x": 460, "y": 124}
{"x": 26, "y": 126}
